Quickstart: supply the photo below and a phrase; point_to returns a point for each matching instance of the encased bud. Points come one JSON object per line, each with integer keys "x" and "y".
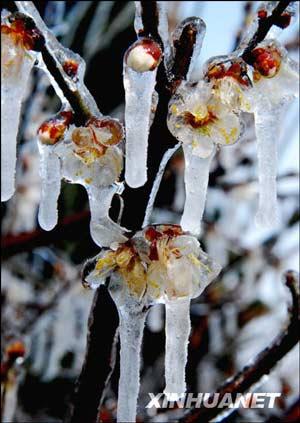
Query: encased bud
{"x": 52, "y": 131}
{"x": 71, "y": 68}
{"x": 144, "y": 55}
{"x": 266, "y": 61}
{"x": 24, "y": 32}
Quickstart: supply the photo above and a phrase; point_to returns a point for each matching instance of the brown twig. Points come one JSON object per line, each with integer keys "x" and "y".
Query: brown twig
{"x": 67, "y": 228}
{"x": 264, "y": 362}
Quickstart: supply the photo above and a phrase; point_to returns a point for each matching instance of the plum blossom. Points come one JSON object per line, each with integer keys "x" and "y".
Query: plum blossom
{"x": 86, "y": 155}
{"x": 161, "y": 262}
{"x": 199, "y": 116}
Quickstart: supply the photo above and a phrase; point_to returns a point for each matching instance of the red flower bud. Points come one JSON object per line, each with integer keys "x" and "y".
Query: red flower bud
{"x": 52, "y": 131}
{"x": 144, "y": 55}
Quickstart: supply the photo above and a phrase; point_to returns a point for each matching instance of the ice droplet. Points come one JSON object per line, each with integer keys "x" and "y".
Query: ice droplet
{"x": 139, "y": 88}
{"x": 196, "y": 176}
{"x": 50, "y": 172}
{"x": 178, "y": 327}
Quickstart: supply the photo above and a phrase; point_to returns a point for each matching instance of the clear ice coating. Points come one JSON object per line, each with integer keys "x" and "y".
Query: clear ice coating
{"x": 98, "y": 176}
{"x": 200, "y": 26}
{"x": 196, "y": 177}
{"x": 16, "y": 64}
{"x": 139, "y": 88}
{"x": 163, "y": 30}
{"x": 61, "y": 55}
{"x": 160, "y": 264}
{"x": 132, "y": 322}
{"x": 50, "y": 172}
{"x": 178, "y": 327}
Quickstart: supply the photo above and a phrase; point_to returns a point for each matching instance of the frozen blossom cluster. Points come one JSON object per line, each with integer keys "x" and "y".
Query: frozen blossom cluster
{"x": 163, "y": 263}
{"x": 160, "y": 264}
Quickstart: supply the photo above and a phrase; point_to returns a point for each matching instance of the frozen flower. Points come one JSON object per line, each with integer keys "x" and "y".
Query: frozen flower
{"x": 198, "y": 117}
{"x": 230, "y": 81}
{"x": 162, "y": 262}
{"x": 275, "y": 75}
{"x": 91, "y": 141}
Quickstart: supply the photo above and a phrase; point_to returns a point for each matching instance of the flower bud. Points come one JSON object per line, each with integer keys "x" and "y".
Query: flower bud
{"x": 266, "y": 61}
{"x": 144, "y": 55}
{"x": 52, "y": 131}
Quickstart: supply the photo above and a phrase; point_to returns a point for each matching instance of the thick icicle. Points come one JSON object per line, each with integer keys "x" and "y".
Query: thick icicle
{"x": 267, "y": 128}
{"x": 178, "y": 327}
{"x": 50, "y": 172}
{"x": 132, "y": 322}
{"x": 196, "y": 176}
{"x": 16, "y": 65}
{"x": 138, "y": 95}
{"x": 104, "y": 231}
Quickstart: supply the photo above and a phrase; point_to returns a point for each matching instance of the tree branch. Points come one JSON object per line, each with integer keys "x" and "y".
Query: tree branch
{"x": 264, "y": 362}
{"x": 264, "y": 25}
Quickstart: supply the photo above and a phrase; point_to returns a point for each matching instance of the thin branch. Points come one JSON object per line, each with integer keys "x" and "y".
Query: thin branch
{"x": 67, "y": 228}
{"x": 76, "y": 100}
{"x": 264, "y": 362}
{"x": 264, "y": 25}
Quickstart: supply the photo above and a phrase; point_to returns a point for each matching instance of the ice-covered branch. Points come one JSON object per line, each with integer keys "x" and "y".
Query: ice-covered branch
{"x": 264, "y": 361}
{"x": 264, "y": 25}
{"x": 65, "y": 68}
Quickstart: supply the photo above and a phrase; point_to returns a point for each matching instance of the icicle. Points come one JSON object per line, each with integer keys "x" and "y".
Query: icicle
{"x": 16, "y": 65}
{"x": 132, "y": 322}
{"x": 50, "y": 172}
{"x": 138, "y": 95}
{"x": 178, "y": 327}
{"x": 103, "y": 230}
{"x": 267, "y": 128}
{"x": 196, "y": 176}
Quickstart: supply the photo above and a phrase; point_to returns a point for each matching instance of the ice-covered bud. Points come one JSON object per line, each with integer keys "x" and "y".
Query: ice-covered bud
{"x": 53, "y": 130}
{"x": 275, "y": 75}
{"x": 144, "y": 55}
{"x": 71, "y": 68}
{"x": 14, "y": 351}
{"x": 24, "y": 32}
{"x": 266, "y": 61}
{"x": 282, "y": 21}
